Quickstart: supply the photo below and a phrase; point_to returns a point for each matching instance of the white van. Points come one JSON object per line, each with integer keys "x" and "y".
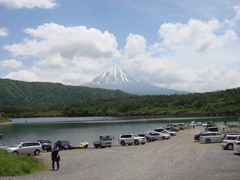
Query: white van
{"x": 27, "y": 147}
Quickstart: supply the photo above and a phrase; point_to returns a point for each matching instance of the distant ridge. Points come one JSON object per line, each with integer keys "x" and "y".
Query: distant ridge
{"x": 117, "y": 78}
{"x": 14, "y": 93}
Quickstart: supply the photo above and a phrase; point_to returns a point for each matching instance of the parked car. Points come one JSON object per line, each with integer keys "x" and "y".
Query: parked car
{"x": 211, "y": 124}
{"x": 209, "y": 137}
{"x": 197, "y": 136}
{"x": 26, "y": 147}
{"x": 172, "y": 133}
{"x": 131, "y": 139}
{"x": 212, "y": 129}
{"x": 174, "y": 127}
{"x": 237, "y": 145}
{"x": 192, "y": 124}
{"x": 159, "y": 135}
{"x": 64, "y": 144}
{"x": 103, "y": 141}
{"x": 204, "y": 124}
{"x": 228, "y": 141}
{"x": 199, "y": 123}
{"x": 46, "y": 144}
{"x": 148, "y": 137}
{"x": 229, "y": 134}
{"x": 182, "y": 126}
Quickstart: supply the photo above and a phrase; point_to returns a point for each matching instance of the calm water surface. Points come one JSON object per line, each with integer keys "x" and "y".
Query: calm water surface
{"x": 87, "y": 129}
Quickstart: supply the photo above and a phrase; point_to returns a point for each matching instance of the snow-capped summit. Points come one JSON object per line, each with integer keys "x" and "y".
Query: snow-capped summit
{"x": 117, "y": 78}
{"x": 115, "y": 75}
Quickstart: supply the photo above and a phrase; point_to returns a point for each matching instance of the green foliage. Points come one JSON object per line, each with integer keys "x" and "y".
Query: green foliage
{"x": 15, "y": 165}
{"x": 19, "y": 93}
{"x": 99, "y": 102}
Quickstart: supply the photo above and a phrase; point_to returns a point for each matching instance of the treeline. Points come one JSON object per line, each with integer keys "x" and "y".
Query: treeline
{"x": 225, "y": 102}
{"x": 20, "y": 93}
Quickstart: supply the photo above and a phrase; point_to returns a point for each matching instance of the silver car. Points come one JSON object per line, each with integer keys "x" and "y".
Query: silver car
{"x": 209, "y": 137}
{"x": 27, "y": 147}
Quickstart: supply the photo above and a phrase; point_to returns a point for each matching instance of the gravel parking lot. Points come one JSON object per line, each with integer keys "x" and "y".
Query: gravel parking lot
{"x": 179, "y": 158}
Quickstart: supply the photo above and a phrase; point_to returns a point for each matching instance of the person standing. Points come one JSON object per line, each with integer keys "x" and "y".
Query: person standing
{"x": 55, "y": 156}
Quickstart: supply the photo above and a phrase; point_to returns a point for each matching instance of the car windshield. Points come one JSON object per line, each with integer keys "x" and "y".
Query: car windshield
{"x": 106, "y": 138}
{"x": 135, "y": 135}
{"x": 44, "y": 141}
{"x": 15, "y": 145}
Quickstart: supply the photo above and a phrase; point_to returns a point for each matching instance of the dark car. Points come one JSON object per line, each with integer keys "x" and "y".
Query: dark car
{"x": 197, "y": 136}
{"x": 46, "y": 144}
{"x": 148, "y": 137}
{"x": 212, "y": 129}
{"x": 64, "y": 144}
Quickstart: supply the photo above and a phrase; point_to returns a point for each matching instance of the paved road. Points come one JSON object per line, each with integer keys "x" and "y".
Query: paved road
{"x": 179, "y": 158}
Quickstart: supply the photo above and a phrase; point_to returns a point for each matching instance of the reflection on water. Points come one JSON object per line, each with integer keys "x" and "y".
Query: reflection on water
{"x": 87, "y": 129}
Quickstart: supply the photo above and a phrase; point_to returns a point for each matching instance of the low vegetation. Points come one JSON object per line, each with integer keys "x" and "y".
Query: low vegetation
{"x": 15, "y": 165}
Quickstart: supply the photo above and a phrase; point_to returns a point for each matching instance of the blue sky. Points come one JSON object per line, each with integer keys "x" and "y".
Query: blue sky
{"x": 185, "y": 45}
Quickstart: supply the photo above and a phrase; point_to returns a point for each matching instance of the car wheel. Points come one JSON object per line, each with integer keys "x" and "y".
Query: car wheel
{"x": 95, "y": 145}
{"x": 136, "y": 142}
{"x": 36, "y": 152}
{"x": 123, "y": 143}
{"x": 148, "y": 140}
{"x": 163, "y": 137}
{"x": 208, "y": 140}
{"x": 15, "y": 153}
{"x": 230, "y": 146}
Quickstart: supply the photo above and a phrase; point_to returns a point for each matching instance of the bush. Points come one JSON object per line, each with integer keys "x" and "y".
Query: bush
{"x": 15, "y": 165}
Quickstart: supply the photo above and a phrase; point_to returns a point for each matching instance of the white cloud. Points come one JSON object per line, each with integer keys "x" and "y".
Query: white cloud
{"x": 135, "y": 45}
{"x": 77, "y": 50}
{"x": 22, "y": 75}
{"x": 3, "y": 32}
{"x": 17, "y": 4}
{"x": 196, "y": 35}
{"x": 11, "y": 63}
{"x": 233, "y": 21}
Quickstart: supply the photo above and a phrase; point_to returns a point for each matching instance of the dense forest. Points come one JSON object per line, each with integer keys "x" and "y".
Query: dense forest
{"x": 20, "y": 93}
{"x": 219, "y": 103}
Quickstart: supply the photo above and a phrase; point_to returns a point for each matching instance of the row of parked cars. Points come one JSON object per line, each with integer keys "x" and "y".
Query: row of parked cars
{"x": 35, "y": 147}
{"x": 161, "y": 133}
{"x": 229, "y": 141}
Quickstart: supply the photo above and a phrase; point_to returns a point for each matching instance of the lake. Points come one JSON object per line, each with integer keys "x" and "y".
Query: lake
{"x": 87, "y": 129}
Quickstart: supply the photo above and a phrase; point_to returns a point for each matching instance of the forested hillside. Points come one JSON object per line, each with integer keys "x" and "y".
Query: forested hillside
{"x": 15, "y": 93}
{"x": 212, "y": 103}
{"x": 220, "y": 103}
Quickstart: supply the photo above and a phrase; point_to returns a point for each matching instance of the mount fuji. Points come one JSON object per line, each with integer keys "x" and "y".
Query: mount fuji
{"x": 117, "y": 78}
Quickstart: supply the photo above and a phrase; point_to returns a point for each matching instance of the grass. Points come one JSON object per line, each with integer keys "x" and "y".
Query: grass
{"x": 15, "y": 165}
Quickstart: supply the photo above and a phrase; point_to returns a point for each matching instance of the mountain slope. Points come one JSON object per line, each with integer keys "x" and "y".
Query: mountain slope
{"x": 14, "y": 92}
{"x": 117, "y": 78}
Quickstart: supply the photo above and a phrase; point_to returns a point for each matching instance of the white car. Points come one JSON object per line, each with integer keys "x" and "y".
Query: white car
{"x": 204, "y": 124}
{"x": 228, "y": 141}
{"x": 172, "y": 133}
{"x": 131, "y": 139}
{"x": 159, "y": 135}
{"x": 209, "y": 137}
{"x": 237, "y": 145}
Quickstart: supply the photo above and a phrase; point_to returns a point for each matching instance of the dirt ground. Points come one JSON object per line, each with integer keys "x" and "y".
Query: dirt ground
{"x": 179, "y": 158}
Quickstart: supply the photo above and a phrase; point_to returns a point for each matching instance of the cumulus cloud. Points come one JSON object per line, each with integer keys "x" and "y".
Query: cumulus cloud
{"x": 11, "y": 63}
{"x": 22, "y": 75}
{"x": 135, "y": 45}
{"x": 3, "y": 32}
{"x": 195, "y": 34}
{"x": 75, "y": 49}
{"x": 17, "y": 4}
